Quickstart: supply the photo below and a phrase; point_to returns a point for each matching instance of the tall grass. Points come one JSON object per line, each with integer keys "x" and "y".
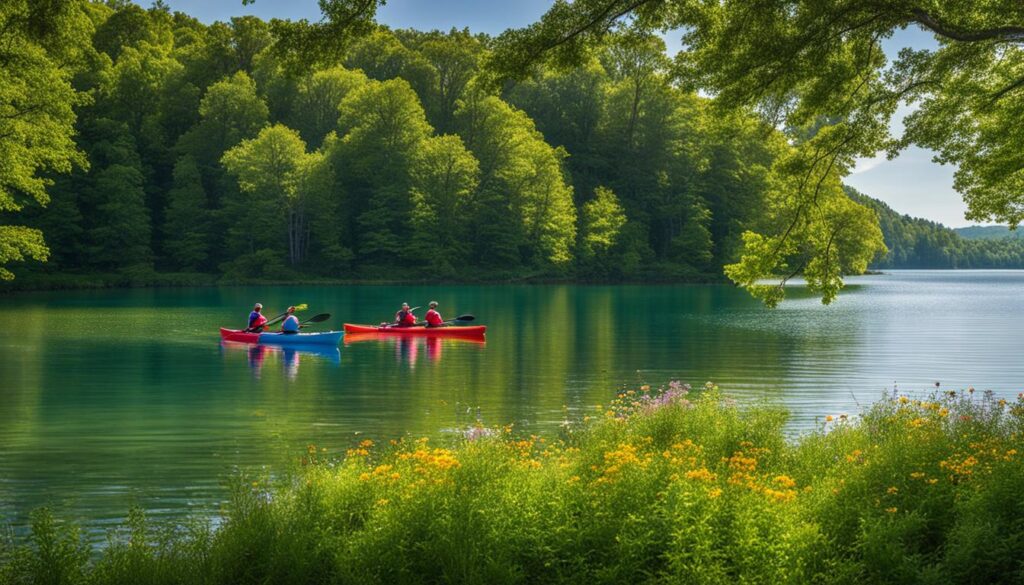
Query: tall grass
{"x": 661, "y": 487}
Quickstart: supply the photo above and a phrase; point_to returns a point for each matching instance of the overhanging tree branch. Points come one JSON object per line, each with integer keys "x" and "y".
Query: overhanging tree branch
{"x": 1010, "y": 34}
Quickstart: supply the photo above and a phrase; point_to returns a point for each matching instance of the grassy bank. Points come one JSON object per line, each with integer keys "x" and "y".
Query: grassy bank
{"x": 657, "y": 487}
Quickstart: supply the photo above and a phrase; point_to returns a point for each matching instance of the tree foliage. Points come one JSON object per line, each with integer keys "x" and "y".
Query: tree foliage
{"x": 42, "y": 46}
{"x": 817, "y": 70}
{"x": 346, "y": 149}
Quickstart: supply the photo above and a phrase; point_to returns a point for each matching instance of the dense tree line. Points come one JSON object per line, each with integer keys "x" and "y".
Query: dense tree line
{"x": 918, "y": 243}
{"x": 207, "y": 149}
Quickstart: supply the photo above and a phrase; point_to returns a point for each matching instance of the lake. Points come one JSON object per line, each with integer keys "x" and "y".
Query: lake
{"x": 115, "y": 398}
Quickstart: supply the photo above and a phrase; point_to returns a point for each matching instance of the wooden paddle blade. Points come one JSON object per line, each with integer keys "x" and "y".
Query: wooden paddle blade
{"x": 465, "y": 318}
{"x": 319, "y": 318}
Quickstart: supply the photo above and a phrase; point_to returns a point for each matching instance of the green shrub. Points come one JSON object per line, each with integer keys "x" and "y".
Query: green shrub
{"x": 656, "y": 487}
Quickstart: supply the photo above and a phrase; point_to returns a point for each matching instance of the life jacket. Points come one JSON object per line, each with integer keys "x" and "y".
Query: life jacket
{"x": 434, "y": 318}
{"x": 291, "y": 324}
{"x": 405, "y": 318}
{"x": 256, "y": 320}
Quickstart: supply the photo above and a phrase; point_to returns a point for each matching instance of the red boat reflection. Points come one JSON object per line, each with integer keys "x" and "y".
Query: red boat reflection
{"x": 407, "y": 349}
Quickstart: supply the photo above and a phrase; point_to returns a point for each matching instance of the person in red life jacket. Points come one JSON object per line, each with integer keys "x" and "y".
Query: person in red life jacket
{"x": 433, "y": 317}
{"x": 256, "y": 319}
{"x": 404, "y": 317}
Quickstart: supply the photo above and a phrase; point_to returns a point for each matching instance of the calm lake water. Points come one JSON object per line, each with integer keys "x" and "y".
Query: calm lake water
{"x": 111, "y": 399}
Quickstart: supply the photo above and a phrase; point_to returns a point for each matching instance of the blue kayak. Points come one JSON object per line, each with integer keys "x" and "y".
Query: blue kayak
{"x": 326, "y": 338}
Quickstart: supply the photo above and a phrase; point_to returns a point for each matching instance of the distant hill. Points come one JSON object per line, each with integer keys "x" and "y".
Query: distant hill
{"x": 919, "y": 243}
{"x": 989, "y": 232}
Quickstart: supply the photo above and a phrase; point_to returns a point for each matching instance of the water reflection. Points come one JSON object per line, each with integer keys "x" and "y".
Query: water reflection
{"x": 257, "y": 354}
{"x": 407, "y": 349}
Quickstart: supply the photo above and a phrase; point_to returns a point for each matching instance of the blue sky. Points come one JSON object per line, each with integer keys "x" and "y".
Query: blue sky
{"x": 911, "y": 183}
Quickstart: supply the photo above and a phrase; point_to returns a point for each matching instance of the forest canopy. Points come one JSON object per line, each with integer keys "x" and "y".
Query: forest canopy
{"x": 261, "y": 150}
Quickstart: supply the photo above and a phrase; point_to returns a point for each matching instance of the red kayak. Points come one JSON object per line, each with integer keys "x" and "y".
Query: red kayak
{"x": 473, "y": 331}
{"x": 239, "y": 336}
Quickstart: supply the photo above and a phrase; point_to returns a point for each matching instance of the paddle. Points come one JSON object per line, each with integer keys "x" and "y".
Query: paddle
{"x": 298, "y": 308}
{"x": 459, "y": 319}
{"x": 317, "y": 319}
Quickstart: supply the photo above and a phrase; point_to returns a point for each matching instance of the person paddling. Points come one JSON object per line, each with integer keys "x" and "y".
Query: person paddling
{"x": 405, "y": 317}
{"x": 256, "y": 319}
{"x": 291, "y": 323}
{"x": 433, "y": 317}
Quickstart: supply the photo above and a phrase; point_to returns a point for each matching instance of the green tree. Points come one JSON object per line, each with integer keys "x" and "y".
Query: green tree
{"x": 315, "y": 110}
{"x": 382, "y": 126}
{"x": 804, "y": 65}
{"x": 601, "y": 221}
{"x": 187, "y": 219}
{"x": 121, "y": 239}
{"x": 693, "y": 246}
{"x": 230, "y": 111}
{"x": 523, "y": 209}
{"x": 42, "y": 44}
{"x": 271, "y": 170}
{"x": 454, "y": 58}
{"x": 444, "y": 176}
{"x": 131, "y": 26}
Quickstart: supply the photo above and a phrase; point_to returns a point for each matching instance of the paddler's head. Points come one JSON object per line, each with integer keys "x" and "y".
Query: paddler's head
{"x": 291, "y": 310}
{"x": 258, "y": 308}
{"x": 405, "y": 306}
{"x": 433, "y": 304}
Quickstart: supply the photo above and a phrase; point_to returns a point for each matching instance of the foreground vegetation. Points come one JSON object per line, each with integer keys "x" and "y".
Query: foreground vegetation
{"x": 658, "y": 487}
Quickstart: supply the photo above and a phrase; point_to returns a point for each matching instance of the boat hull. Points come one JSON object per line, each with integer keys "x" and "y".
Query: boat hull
{"x": 330, "y": 338}
{"x": 476, "y": 331}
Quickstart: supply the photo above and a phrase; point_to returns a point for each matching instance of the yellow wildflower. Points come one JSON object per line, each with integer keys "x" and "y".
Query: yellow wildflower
{"x": 702, "y": 474}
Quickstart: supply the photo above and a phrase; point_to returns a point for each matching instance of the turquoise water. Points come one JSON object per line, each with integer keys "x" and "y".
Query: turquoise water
{"x": 110, "y": 399}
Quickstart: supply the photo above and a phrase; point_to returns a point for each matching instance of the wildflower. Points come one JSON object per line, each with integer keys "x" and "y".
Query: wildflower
{"x": 892, "y": 490}
{"x": 365, "y": 444}
{"x": 714, "y": 492}
{"x": 785, "y": 481}
{"x": 904, "y": 400}
{"x": 382, "y": 502}
{"x": 933, "y": 481}
{"x": 943, "y": 412}
{"x": 917, "y": 475}
{"x": 892, "y": 510}
{"x": 364, "y": 476}
{"x": 828, "y": 418}
{"x": 702, "y": 474}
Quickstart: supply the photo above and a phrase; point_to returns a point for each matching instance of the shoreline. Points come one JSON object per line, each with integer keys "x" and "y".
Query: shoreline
{"x": 34, "y": 283}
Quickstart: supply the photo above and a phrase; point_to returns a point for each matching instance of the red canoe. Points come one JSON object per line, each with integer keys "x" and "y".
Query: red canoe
{"x": 474, "y": 331}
